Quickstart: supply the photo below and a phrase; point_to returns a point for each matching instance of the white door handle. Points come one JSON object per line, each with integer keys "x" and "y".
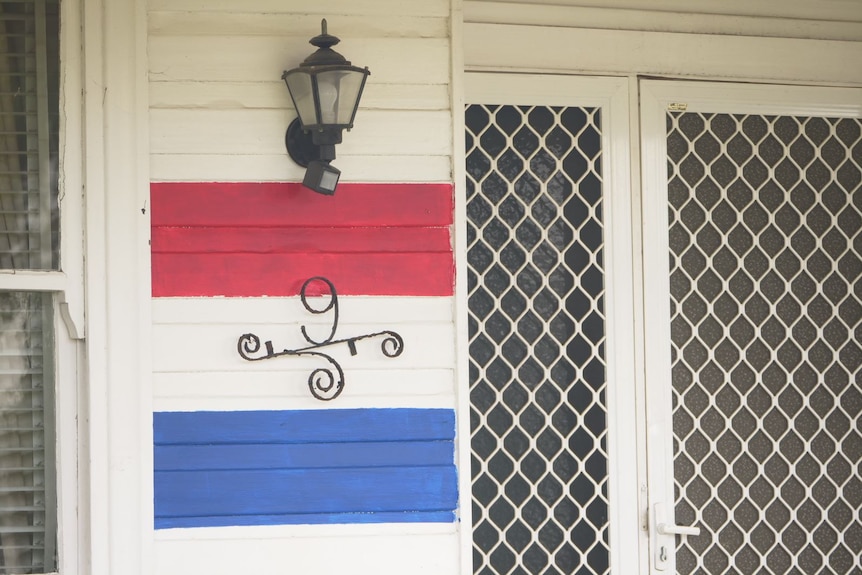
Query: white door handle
{"x": 683, "y": 530}
{"x": 661, "y": 552}
{"x": 669, "y": 528}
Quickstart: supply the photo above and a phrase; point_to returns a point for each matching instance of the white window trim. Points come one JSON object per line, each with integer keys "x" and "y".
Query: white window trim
{"x": 67, "y": 286}
{"x": 71, "y": 370}
{"x": 118, "y": 404}
{"x": 102, "y": 294}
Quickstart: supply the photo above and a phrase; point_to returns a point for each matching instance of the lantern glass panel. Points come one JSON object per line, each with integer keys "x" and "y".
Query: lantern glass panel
{"x": 346, "y": 87}
{"x": 299, "y": 84}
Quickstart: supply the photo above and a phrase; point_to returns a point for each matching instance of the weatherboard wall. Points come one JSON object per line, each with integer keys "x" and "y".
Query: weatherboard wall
{"x": 251, "y": 471}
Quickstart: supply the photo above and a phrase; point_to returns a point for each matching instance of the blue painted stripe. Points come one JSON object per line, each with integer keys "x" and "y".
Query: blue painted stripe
{"x": 279, "y": 491}
{"x": 306, "y": 519}
{"x": 305, "y": 426}
{"x": 304, "y": 467}
{"x": 308, "y": 455}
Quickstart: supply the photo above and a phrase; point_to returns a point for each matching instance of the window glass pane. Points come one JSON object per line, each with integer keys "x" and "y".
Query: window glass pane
{"x": 29, "y": 122}
{"x": 27, "y": 486}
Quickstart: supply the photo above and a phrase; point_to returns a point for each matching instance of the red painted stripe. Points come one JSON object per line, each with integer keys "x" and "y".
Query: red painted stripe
{"x": 266, "y": 239}
{"x": 299, "y": 240}
{"x": 288, "y": 204}
{"x": 248, "y": 275}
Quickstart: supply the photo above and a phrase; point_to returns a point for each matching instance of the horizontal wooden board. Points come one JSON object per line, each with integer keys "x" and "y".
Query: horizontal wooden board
{"x": 377, "y": 132}
{"x": 273, "y": 497}
{"x": 282, "y": 533}
{"x": 349, "y": 28}
{"x": 305, "y": 518}
{"x": 353, "y": 311}
{"x": 212, "y": 347}
{"x": 302, "y": 426}
{"x": 747, "y": 19}
{"x": 491, "y": 46}
{"x": 278, "y": 167}
{"x": 307, "y": 466}
{"x": 801, "y": 9}
{"x": 241, "y": 389}
{"x": 380, "y": 8}
{"x": 302, "y": 456}
{"x": 290, "y": 204}
{"x": 354, "y": 396}
{"x": 230, "y": 274}
{"x": 274, "y": 95}
{"x": 299, "y": 240}
{"x": 382, "y": 549}
{"x": 264, "y": 58}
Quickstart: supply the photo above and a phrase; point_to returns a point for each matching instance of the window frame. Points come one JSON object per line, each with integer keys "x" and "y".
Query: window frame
{"x": 66, "y": 285}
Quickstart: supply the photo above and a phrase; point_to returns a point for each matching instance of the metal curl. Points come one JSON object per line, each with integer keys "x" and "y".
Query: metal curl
{"x": 248, "y": 344}
{"x": 392, "y": 345}
{"x": 323, "y": 383}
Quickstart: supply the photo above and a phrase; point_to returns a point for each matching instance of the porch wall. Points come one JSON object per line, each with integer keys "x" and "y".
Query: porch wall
{"x": 218, "y": 114}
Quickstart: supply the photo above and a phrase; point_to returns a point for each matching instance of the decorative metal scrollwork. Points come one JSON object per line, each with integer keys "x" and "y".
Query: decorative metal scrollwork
{"x": 327, "y": 382}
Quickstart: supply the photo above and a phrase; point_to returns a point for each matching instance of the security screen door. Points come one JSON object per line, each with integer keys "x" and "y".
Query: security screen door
{"x": 752, "y": 210}
{"x": 548, "y": 242}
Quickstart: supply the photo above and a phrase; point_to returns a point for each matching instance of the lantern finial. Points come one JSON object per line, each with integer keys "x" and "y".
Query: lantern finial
{"x": 325, "y": 41}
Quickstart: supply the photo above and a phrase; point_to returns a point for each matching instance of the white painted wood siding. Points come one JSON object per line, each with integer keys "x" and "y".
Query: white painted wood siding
{"x": 197, "y": 368}
{"x": 219, "y": 109}
{"x": 309, "y": 549}
{"x": 196, "y": 365}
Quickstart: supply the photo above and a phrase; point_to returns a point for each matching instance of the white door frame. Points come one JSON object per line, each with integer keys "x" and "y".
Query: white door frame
{"x": 625, "y": 450}
{"x": 657, "y": 97}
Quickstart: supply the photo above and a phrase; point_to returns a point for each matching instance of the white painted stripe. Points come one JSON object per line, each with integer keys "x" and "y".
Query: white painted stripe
{"x": 197, "y": 366}
{"x": 213, "y": 347}
{"x": 274, "y": 95}
{"x": 227, "y": 58}
{"x": 317, "y": 549}
{"x": 288, "y": 389}
{"x": 262, "y": 131}
{"x": 277, "y": 167}
{"x": 349, "y": 29}
{"x": 325, "y": 8}
{"x": 287, "y": 310}
{"x": 264, "y": 532}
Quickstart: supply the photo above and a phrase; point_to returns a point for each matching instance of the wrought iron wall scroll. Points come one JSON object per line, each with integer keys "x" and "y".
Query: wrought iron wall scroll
{"x": 325, "y": 383}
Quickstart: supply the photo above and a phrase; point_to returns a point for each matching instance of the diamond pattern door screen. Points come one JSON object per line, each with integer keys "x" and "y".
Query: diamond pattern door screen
{"x": 536, "y": 324}
{"x": 765, "y": 218}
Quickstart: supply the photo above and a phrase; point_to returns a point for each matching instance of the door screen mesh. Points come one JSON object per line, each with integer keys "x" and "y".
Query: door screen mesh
{"x": 765, "y": 218}
{"x": 536, "y": 322}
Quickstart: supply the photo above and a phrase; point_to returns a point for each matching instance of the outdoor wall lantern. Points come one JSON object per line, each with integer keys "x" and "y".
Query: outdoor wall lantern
{"x": 325, "y": 90}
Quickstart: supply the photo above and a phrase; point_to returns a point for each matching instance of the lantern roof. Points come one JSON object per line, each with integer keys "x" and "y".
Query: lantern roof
{"x": 325, "y": 55}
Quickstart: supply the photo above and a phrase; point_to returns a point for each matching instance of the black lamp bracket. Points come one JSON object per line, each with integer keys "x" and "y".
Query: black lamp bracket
{"x": 300, "y": 145}
{"x": 304, "y": 147}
